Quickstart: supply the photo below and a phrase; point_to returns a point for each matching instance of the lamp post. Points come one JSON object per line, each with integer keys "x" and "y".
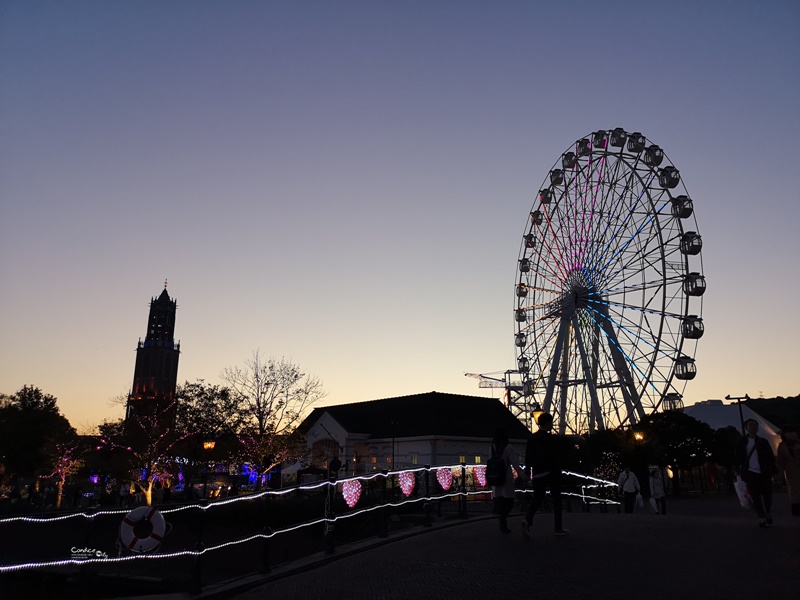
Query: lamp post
{"x": 739, "y": 403}
{"x": 208, "y": 446}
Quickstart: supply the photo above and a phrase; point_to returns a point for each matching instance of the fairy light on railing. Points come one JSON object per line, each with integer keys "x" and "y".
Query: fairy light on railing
{"x": 478, "y": 470}
{"x": 407, "y": 482}
{"x": 354, "y": 483}
{"x": 445, "y": 478}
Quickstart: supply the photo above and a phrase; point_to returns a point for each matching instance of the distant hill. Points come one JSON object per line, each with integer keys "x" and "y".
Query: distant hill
{"x": 779, "y": 411}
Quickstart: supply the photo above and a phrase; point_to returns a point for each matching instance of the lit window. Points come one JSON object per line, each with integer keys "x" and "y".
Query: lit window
{"x": 373, "y": 459}
{"x": 414, "y": 458}
{"x": 388, "y": 459}
{"x": 477, "y": 460}
{"x": 462, "y": 458}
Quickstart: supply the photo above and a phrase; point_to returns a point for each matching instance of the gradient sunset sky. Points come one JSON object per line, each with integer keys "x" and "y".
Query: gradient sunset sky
{"x": 346, "y": 183}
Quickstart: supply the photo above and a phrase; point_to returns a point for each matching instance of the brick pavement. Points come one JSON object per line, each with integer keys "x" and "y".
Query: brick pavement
{"x": 705, "y": 548}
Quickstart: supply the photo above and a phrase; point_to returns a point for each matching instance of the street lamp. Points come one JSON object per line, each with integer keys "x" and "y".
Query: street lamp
{"x": 638, "y": 436}
{"x": 208, "y": 446}
{"x": 739, "y": 402}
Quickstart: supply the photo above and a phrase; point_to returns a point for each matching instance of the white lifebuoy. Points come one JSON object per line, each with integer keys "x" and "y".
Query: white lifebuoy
{"x": 142, "y": 529}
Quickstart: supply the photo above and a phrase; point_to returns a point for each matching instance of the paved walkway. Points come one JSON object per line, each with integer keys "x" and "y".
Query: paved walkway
{"x": 705, "y": 548}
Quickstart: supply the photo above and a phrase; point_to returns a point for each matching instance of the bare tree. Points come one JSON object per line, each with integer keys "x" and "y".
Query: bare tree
{"x": 277, "y": 395}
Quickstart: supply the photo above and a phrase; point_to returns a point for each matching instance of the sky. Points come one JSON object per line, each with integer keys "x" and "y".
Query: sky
{"x": 345, "y": 184}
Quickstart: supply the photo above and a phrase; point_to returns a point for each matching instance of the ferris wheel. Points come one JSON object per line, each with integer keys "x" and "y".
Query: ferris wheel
{"x": 608, "y": 298}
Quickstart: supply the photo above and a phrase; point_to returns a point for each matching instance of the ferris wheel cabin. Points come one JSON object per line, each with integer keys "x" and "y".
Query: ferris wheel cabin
{"x": 669, "y": 177}
{"x": 692, "y": 327}
{"x": 682, "y": 207}
{"x": 691, "y": 243}
{"x": 618, "y": 137}
{"x": 599, "y": 138}
{"x": 694, "y": 284}
{"x": 536, "y": 217}
{"x": 685, "y": 368}
{"x": 636, "y": 142}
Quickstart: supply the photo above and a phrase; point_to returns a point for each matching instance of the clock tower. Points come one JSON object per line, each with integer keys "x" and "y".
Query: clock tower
{"x": 155, "y": 376}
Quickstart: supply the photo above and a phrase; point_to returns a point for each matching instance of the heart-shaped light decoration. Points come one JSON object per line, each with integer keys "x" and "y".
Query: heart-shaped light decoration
{"x": 480, "y": 475}
{"x": 351, "y": 490}
{"x": 445, "y": 478}
{"x": 407, "y": 481}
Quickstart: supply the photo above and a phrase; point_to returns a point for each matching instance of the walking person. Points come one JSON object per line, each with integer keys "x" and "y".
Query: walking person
{"x": 543, "y": 459}
{"x": 503, "y": 495}
{"x": 789, "y": 463}
{"x": 657, "y": 491}
{"x": 628, "y": 485}
{"x": 757, "y": 466}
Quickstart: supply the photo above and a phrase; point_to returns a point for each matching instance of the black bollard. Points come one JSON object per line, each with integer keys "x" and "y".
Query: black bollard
{"x": 330, "y": 526}
{"x": 382, "y": 527}
{"x": 265, "y": 545}
{"x": 462, "y": 499}
{"x": 265, "y": 551}
{"x": 83, "y": 572}
{"x": 197, "y": 579}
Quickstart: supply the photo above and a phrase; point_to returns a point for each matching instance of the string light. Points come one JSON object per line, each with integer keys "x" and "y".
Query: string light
{"x": 351, "y": 490}
{"x": 480, "y": 475}
{"x": 352, "y": 484}
{"x": 445, "y": 478}
{"x": 407, "y": 481}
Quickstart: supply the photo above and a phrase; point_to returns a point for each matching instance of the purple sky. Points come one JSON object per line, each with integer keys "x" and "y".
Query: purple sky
{"x": 346, "y": 184}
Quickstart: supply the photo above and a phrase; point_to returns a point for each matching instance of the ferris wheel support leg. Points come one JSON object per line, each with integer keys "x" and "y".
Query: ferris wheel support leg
{"x": 551, "y": 381}
{"x": 562, "y": 405}
{"x": 632, "y": 402}
{"x": 598, "y": 415}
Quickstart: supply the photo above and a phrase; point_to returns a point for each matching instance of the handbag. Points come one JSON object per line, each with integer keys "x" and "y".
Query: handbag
{"x": 639, "y": 500}
{"x": 653, "y": 505}
{"x": 741, "y": 492}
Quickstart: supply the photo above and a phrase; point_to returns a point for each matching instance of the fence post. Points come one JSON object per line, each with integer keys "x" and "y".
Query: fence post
{"x": 382, "y": 529}
{"x": 330, "y": 526}
{"x": 197, "y": 579}
{"x": 265, "y": 545}
{"x": 462, "y": 499}
{"x": 426, "y": 506}
{"x": 83, "y": 573}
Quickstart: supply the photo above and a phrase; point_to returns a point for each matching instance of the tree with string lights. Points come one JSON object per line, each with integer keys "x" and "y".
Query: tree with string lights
{"x": 148, "y": 442}
{"x": 276, "y": 394}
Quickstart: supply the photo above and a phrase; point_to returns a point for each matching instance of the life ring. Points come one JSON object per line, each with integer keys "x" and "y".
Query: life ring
{"x": 142, "y": 529}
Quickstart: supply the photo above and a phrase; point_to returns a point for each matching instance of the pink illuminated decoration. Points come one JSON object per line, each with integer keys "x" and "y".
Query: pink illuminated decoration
{"x": 407, "y": 481}
{"x": 480, "y": 475}
{"x": 351, "y": 490}
{"x": 445, "y": 478}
